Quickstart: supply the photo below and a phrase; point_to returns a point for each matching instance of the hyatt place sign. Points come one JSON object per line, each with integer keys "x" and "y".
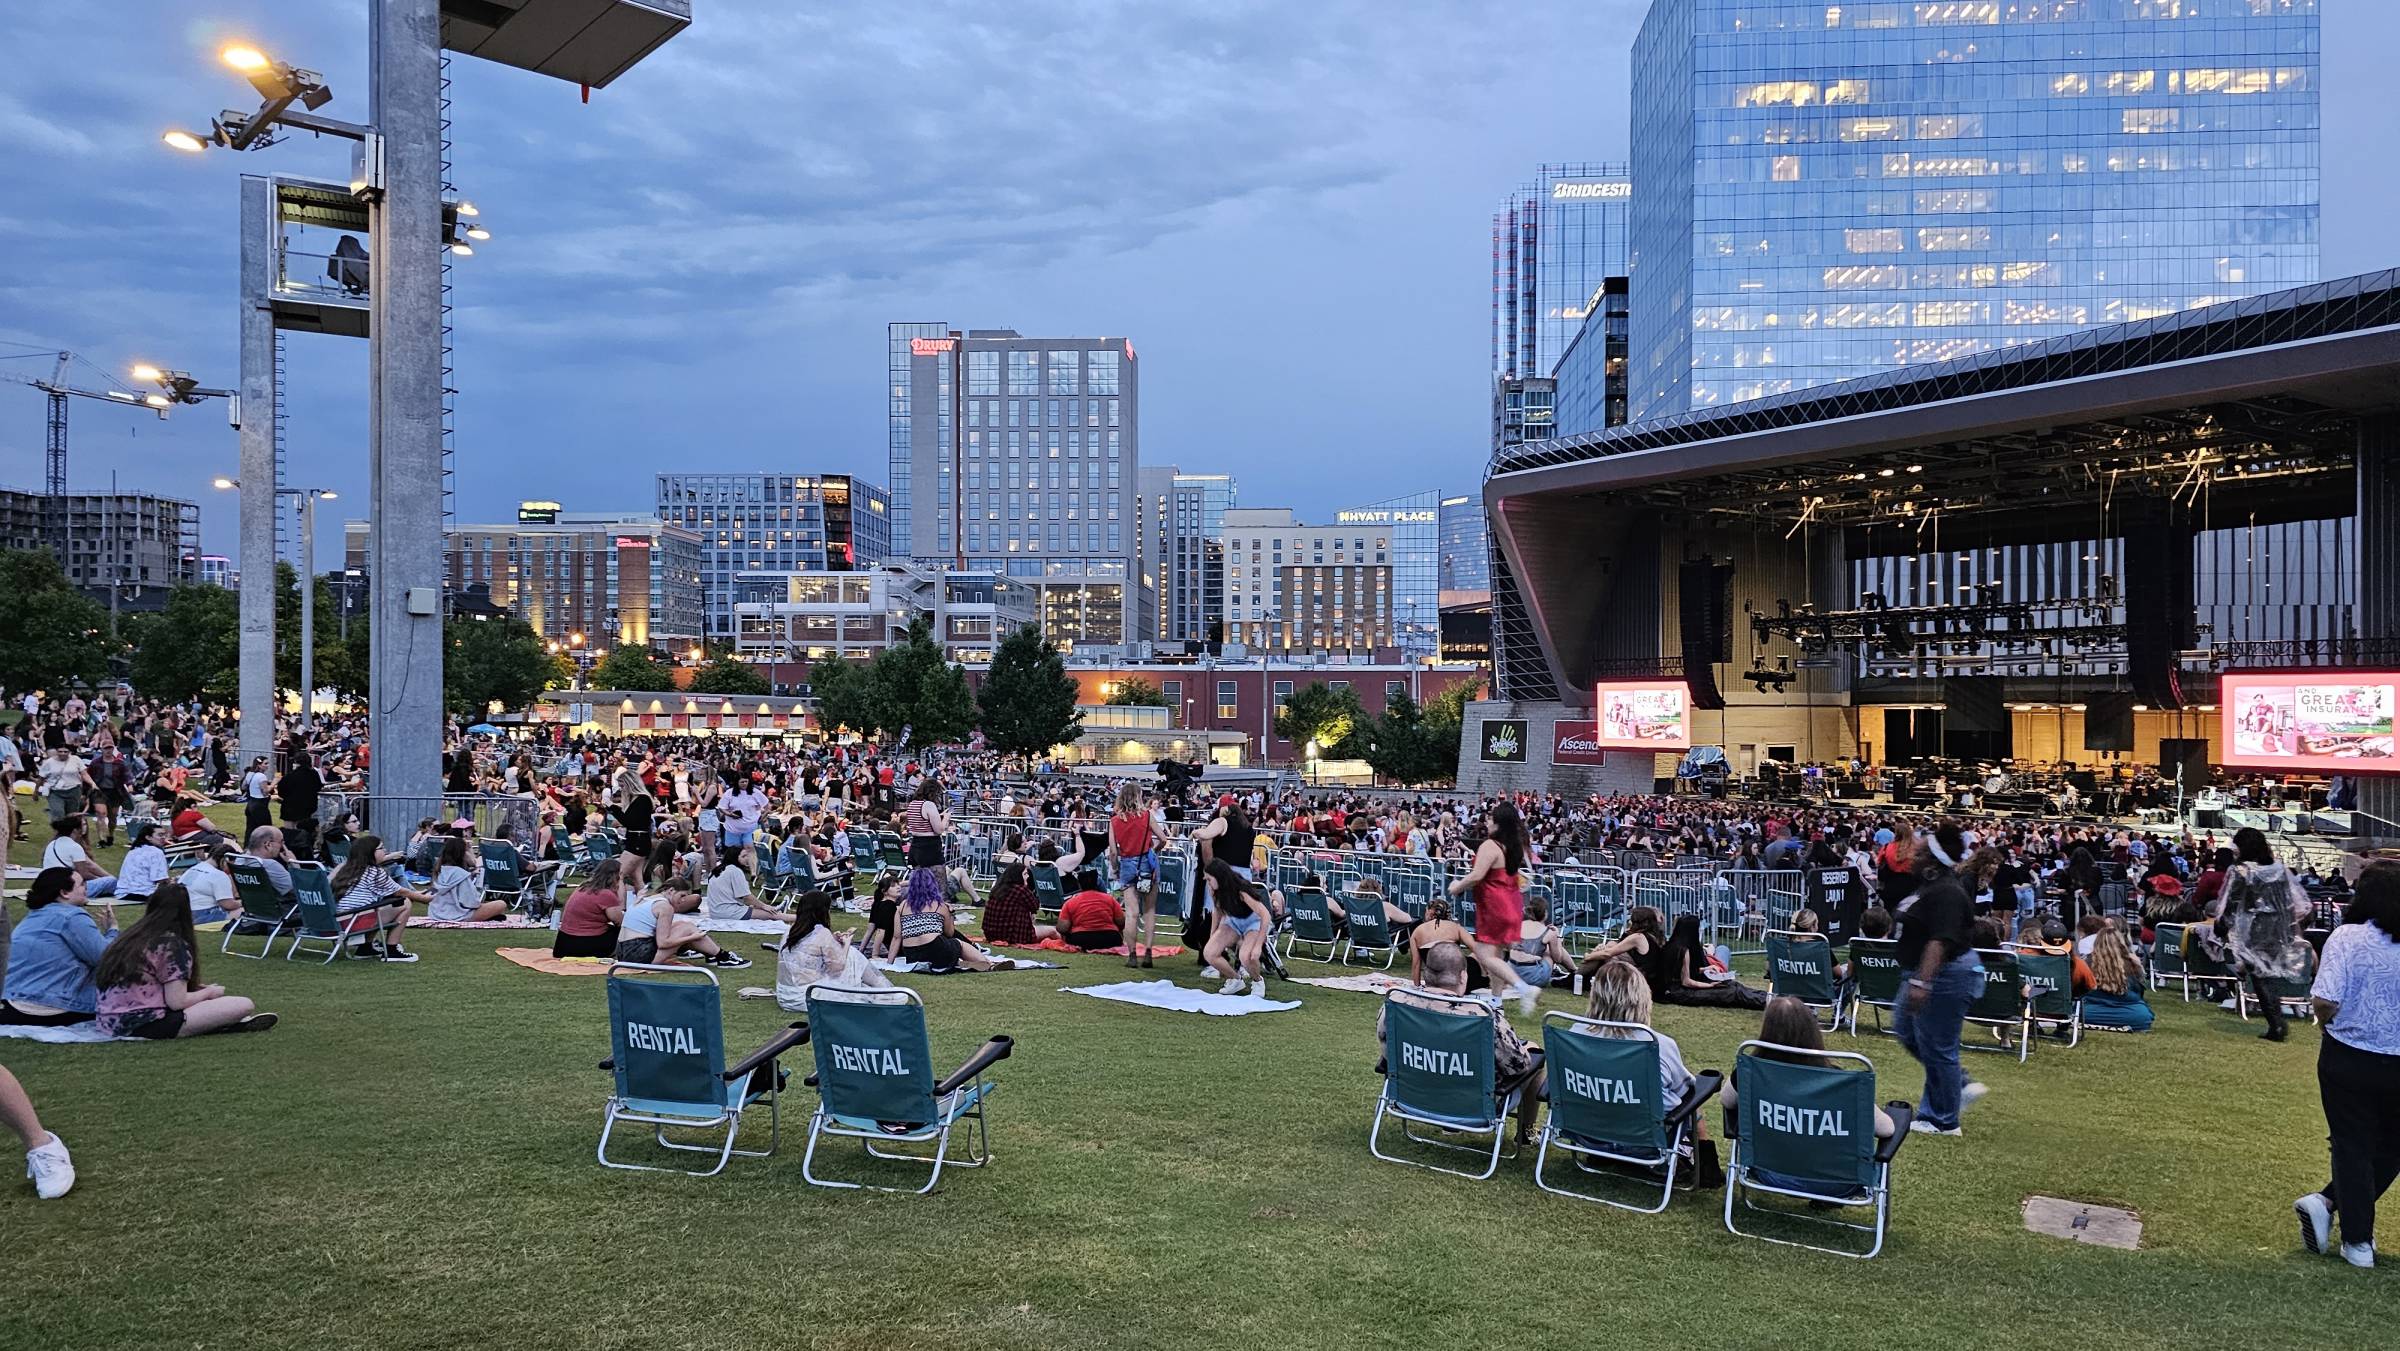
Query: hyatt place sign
{"x": 1383, "y": 518}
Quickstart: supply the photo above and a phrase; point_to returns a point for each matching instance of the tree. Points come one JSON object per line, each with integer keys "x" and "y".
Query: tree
{"x": 50, "y": 633}
{"x": 1028, "y": 699}
{"x": 1400, "y": 745}
{"x": 845, "y": 696}
{"x": 1321, "y": 714}
{"x": 728, "y": 674}
{"x": 632, "y": 667}
{"x": 190, "y": 647}
{"x": 1445, "y": 719}
{"x": 917, "y": 689}
{"x": 1135, "y": 692}
{"x": 500, "y": 661}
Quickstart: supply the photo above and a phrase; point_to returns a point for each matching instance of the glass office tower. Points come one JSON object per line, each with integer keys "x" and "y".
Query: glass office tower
{"x": 1466, "y": 545}
{"x": 1823, "y": 190}
{"x": 1555, "y": 242}
{"x": 1413, "y": 526}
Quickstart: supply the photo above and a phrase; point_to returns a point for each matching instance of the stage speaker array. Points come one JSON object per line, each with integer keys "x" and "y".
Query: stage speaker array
{"x": 1704, "y": 591}
{"x": 2159, "y": 622}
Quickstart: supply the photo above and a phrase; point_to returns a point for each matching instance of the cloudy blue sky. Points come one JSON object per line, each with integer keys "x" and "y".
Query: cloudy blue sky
{"x": 1286, "y": 206}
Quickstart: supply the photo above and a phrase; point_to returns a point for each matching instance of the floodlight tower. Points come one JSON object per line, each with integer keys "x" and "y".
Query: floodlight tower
{"x": 396, "y": 174}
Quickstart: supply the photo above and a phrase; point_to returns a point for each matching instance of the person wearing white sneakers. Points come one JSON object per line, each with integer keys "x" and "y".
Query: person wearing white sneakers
{"x": 1241, "y": 929}
{"x": 2357, "y": 997}
{"x": 46, "y": 1160}
{"x": 1498, "y": 881}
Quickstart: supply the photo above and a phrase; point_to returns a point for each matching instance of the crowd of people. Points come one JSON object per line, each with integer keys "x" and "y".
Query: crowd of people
{"x": 710, "y": 830}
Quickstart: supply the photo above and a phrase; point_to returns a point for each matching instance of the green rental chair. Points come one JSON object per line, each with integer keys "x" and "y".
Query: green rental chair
{"x": 264, "y": 910}
{"x": 2050, "y": 996}
{"x": 875, "y": 1083}
{"x": 1174, "y": 882}
{"x": 1312, "y": 923}
{"x": 1801, "y": 965}
{"x": 2003, "y": 1005}
{"x": 1606, "y": 1104}
{"x": 1875, "y": 979}
{"x": 1369, "y": 933}
{"x": 1439, "y": 1073}
{"x": 503, "y": 872}
{"x": 1805, "y": 1129}
{"x": 316, "y": 918}
{"x": 667, "y": 1042}
{"x": 2166, "y": 960}
{"x": 1049, "y": 891}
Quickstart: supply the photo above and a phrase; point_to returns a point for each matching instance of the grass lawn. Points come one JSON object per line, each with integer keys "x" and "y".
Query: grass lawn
{"x": 407, "y": 1162}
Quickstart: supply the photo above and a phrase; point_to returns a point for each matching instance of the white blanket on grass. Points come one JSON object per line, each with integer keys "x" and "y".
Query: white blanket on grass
{"x": 72, "y": 1035}
{"x": 1369, "y": 982}
{"x": 1166, "y": 994}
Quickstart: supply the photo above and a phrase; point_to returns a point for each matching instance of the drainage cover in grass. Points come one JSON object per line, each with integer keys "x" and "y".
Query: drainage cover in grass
{"x": 2083, "y": 1222}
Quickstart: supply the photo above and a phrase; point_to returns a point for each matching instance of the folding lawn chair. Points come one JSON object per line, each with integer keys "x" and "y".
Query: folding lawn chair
{"x": 2003, "y": 1003}
{"x": 2215, "y": 977}
{"x": 1174, "y": 883}
{"x": 1311, "y": 922}
{"x": 264, "y": 911}
{"x": 317, "y": 919}
{"x": 427, "y": 860}
{"x": 1607, "y": 1104}
{"x": 1048, "y": 890}
{"x": 2050, "y": 993}
{"x": 2295, "y": 999}
{"x": 503, "y": 872}
{"x": 1438, "y": 1071}
{"x": 667, "y": 1042}
{"x": 2166, "y": 960}
{"x": 875, "y": 1082}
{"x": 1369, "y": 933}
{"x": 1875, "y": 979}
{"x": 1806, "y": 1129}
{"x": 891, "y": 849}
{"x": 1801, "y": 965}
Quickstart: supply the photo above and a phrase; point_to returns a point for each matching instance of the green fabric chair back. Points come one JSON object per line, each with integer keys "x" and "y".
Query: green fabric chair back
{"x": 2166, "y": 954}
{"x": 502, "y": 869}
{"x": 313, "y": 900}
{"x": 337, "y": 851}
{"x": 2003, "y": 997}
{"x": 2050, "y": 981}
{"x": 1312, "y": 918}
{"x": 1438, "y": 1062}
{"x": 1800, "y": 965}
{"x": 1875, "y": 968}
{"x": 1048, "y": 889}
{"x": 1173, "y": 873}
{"x": 259, "y": 896}
{"x": 1605, "y": 1090}
{"x": 669, "y": 1041}
{"x": 873, "y": 1061}
{"x": 1813, "y": 1123}
{"x": 1369, "y": 927}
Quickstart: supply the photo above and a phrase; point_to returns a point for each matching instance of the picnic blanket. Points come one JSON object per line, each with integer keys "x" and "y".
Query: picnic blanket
{"x": 539, "y": 959}
{"x": 921, "y": 969}
{"x": 745, "y": 926}
{"x": 79, "y": 1033}
{"x": 1166, "y": 994}
{"x": 1062, "y": 945}
{"x": 512, "y": 922}
{"x": 1371, "y": 982}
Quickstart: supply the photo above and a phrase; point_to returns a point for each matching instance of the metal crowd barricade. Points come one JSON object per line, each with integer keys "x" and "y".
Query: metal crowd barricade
{"x": 1760, "y": 900}
{"x": 497, "y": 816}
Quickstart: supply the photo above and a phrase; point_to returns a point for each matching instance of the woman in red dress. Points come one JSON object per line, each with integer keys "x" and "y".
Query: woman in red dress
{"x": 1498, "y": 878}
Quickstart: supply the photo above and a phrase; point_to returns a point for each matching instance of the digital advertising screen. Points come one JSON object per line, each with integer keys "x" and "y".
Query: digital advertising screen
{"x": 1642, "y": 715}
{"x": 2335, "y": 722}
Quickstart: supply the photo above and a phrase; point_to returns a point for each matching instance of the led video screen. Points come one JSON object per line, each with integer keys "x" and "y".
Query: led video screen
{"x": 1642, "y": 715}
{"x": 2337, "y": 722}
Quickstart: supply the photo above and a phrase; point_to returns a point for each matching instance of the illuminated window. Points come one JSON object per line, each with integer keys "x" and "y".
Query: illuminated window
{"x": 1885, "y": 240}
{"x": 1846, "y": 91}
{"x": 2129, "y": 81}
{"x": 2141, "y": 121}
{"x": 1785, "y": 168}
{"x": 2072, "y": 82}
{"x": 1939, "y": 238}
{"x": 1778, "y": 93}
{"x": 1873, "y": 129}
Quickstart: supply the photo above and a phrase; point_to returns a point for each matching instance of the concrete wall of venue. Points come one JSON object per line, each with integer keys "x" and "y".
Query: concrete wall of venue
{"x": 1618, "y": 772}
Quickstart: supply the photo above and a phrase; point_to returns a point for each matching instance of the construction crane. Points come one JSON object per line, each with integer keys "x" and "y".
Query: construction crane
{"x": 171, "y": 388}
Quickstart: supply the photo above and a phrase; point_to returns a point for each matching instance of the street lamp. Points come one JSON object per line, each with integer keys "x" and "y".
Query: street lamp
{"x": 309, "y": 497}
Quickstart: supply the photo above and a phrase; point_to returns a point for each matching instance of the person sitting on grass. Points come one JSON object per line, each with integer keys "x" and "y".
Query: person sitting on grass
{"x": 1682, "y": 977}
{"x": 66, "y": 850}
{"x": 1539, "y": 955}
{"x": 729, "y": 895}
{"x": 1516, "y": 1064}
{"x": 1091, "y": 919}
{"x": 587, "y": 926}
{"x": 364, "y": 883}
{"x": 209, "y": 882}
{"x": 52, "y": 954}
{"x": 815, "y": 952}
{"x": 1644, "y": 945}
{"x": 46, "y": 1158}
{"x": 1437, "y": 929}
{"x": 146, "y": 979}
{"x": 2115, "y": 999}
{"x": 653, "y": 929}
{"x": 1008, "y": 912}
{"x": 928, "y": 930}
{"x": 883, "y": 915}
{"x": 1792, "y": 1025}
{"x": 1240, "y": 929}
{"x": 144, "y": 867}
{"x": 458, "y": 888}
{"x": 1621, "y": 994}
